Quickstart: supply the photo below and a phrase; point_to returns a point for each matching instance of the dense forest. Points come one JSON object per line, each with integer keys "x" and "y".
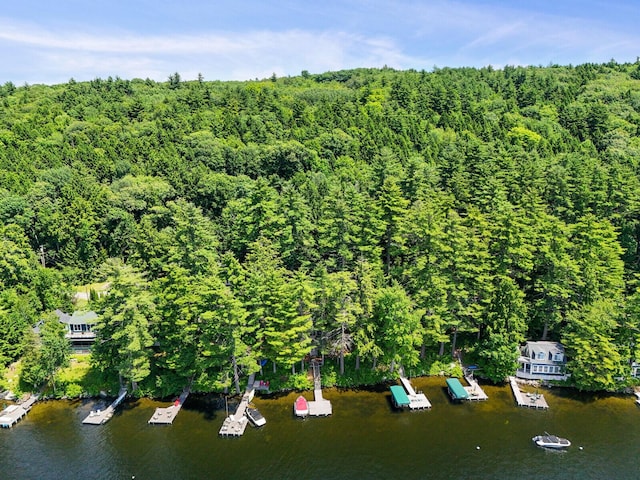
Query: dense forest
{"x": 382, "y": 217}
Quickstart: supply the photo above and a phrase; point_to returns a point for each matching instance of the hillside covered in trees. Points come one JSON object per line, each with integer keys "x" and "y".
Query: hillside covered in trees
{"x": 384, "y": 216}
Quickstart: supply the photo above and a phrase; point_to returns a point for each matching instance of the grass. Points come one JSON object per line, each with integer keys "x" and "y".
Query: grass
{"x": 80, "y": 379}
{"x": 11, "y": 379}
{"x": 97, "y": 287}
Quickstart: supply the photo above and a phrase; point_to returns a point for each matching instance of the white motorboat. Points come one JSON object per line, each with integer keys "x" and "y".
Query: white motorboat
{"x": 551, "y": 441}
{"x": 255, "y": 416}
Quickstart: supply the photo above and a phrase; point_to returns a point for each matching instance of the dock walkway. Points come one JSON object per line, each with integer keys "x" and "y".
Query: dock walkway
{"x": 535, "y": 400}
{"x": 98, "y": 417}
{"x": 235, "y": 424}
{"x": 166, "y": 415}
{"x": 474, "y": 390}
{"x": 319, "y": 407}
{"x": 14, "y": 413}
{"x": 417, "y": 400}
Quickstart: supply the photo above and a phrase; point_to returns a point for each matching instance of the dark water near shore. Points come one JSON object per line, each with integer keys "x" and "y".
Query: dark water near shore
{"x": 364, "y": 439}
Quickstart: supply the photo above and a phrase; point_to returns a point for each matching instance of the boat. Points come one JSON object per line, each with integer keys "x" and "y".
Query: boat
{"x": 301, "y": 407}
{"x": 255, "y": 416}
{"x": 551, "y": 441}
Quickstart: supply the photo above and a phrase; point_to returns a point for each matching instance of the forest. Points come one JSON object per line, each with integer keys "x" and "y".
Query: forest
{"x": 384, "y": 218}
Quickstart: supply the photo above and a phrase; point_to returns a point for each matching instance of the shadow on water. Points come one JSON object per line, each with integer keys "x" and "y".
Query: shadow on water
{"x": 211, "y": 407}
{"x": 581, "y": 396}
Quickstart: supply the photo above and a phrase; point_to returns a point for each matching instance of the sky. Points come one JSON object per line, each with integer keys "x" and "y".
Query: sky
{"x": 50, "y": 42}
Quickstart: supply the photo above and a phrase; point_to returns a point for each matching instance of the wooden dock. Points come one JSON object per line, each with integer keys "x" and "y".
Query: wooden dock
{"x": 14, "y": 413}
{"x": 474, "y": 390}
{"x": 98, "y": 417}
{"x": 529, "y": 400}
{"x": 417, "y": 400}
{"x": 235, "y": 424}
{"x": 319, "y": 407}
{"x": 261, "y": 386}
{"x": 637, "y": 394}
{"x": 166, "y": 415}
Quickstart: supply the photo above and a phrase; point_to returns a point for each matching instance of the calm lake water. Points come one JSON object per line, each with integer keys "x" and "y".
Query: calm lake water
{"x": 365, "y": 438}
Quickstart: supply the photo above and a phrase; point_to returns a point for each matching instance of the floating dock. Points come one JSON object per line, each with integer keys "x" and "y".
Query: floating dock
{"x": 529, "y": 400}
{"x": 319, "y": 407}
{"x": 235, "y": 424}
{"x": 14, "y": 413}
{"x": 166, "y": 415}
{"x": 417, "y": 400}
{"x": 474, "y": 391}
{"x": 98, "y": 417}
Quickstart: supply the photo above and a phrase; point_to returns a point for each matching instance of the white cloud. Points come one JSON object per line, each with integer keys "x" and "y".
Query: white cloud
{"x": 356, "y": 33}
{"x": 222, "y": 55}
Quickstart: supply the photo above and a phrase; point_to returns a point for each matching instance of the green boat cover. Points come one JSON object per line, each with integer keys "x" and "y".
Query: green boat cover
{"x": 399, "y": 396}
{"x": 456, "y": 389}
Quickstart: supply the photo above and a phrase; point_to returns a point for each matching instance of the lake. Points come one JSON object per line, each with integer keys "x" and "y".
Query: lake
{"x": 364, "y": 438}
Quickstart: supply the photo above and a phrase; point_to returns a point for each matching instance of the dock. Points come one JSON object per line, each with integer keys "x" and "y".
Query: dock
{"x": 98, "y": 417}
{"x": 14, "y": 413}
{"x": 235, "y": 424}
{"x": 417, "y": 400}
{"x": 529, "y": 400}
{"x": 319, "y": 407}
{"x": 474, "y": 391}
{"x": 166, "y": 415}
{"x": 637, "y": 394}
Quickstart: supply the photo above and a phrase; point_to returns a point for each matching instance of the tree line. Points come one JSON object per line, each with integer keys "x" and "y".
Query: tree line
{"x": 379, "y": 215}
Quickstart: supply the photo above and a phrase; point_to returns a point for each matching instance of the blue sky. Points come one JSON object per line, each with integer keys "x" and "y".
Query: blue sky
{"x": 45, "y": 41}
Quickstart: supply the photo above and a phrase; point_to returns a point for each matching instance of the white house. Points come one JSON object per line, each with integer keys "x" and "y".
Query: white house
{"x": 79, "y": 328}
{"x": 542, "y": 361}
{"x": 635, "y": 370}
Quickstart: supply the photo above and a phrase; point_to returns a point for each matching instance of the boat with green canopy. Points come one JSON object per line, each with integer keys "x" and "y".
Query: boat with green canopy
{"x": 456, "y": 390}
{"x": 399, "y": 396}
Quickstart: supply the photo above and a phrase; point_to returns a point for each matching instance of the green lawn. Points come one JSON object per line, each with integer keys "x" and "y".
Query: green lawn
{"x": 10, "y": 379}
{"x": 79, "y": 379}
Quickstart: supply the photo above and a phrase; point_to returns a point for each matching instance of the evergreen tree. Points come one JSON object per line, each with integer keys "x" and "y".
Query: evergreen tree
{"x": 123, "y": 338}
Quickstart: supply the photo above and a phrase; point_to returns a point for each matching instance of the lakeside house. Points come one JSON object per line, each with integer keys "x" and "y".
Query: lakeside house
{"x": 542, "y": 361}
{"x": 635, "y": 370}
{"x": 79, "y": 328}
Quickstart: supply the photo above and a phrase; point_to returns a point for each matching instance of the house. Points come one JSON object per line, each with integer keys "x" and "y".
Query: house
{"x": 79, "y": 328}
{"x": 635, "y": 370}
{"x": 542, "y": 361}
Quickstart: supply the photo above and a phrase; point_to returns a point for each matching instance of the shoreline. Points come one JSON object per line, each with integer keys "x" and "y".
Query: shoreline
{"x": 631, "y": 391}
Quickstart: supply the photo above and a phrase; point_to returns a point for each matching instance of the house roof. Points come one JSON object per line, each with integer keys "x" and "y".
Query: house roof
{"x": 77, "y": 318}
{"x": 544, "y": 347}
